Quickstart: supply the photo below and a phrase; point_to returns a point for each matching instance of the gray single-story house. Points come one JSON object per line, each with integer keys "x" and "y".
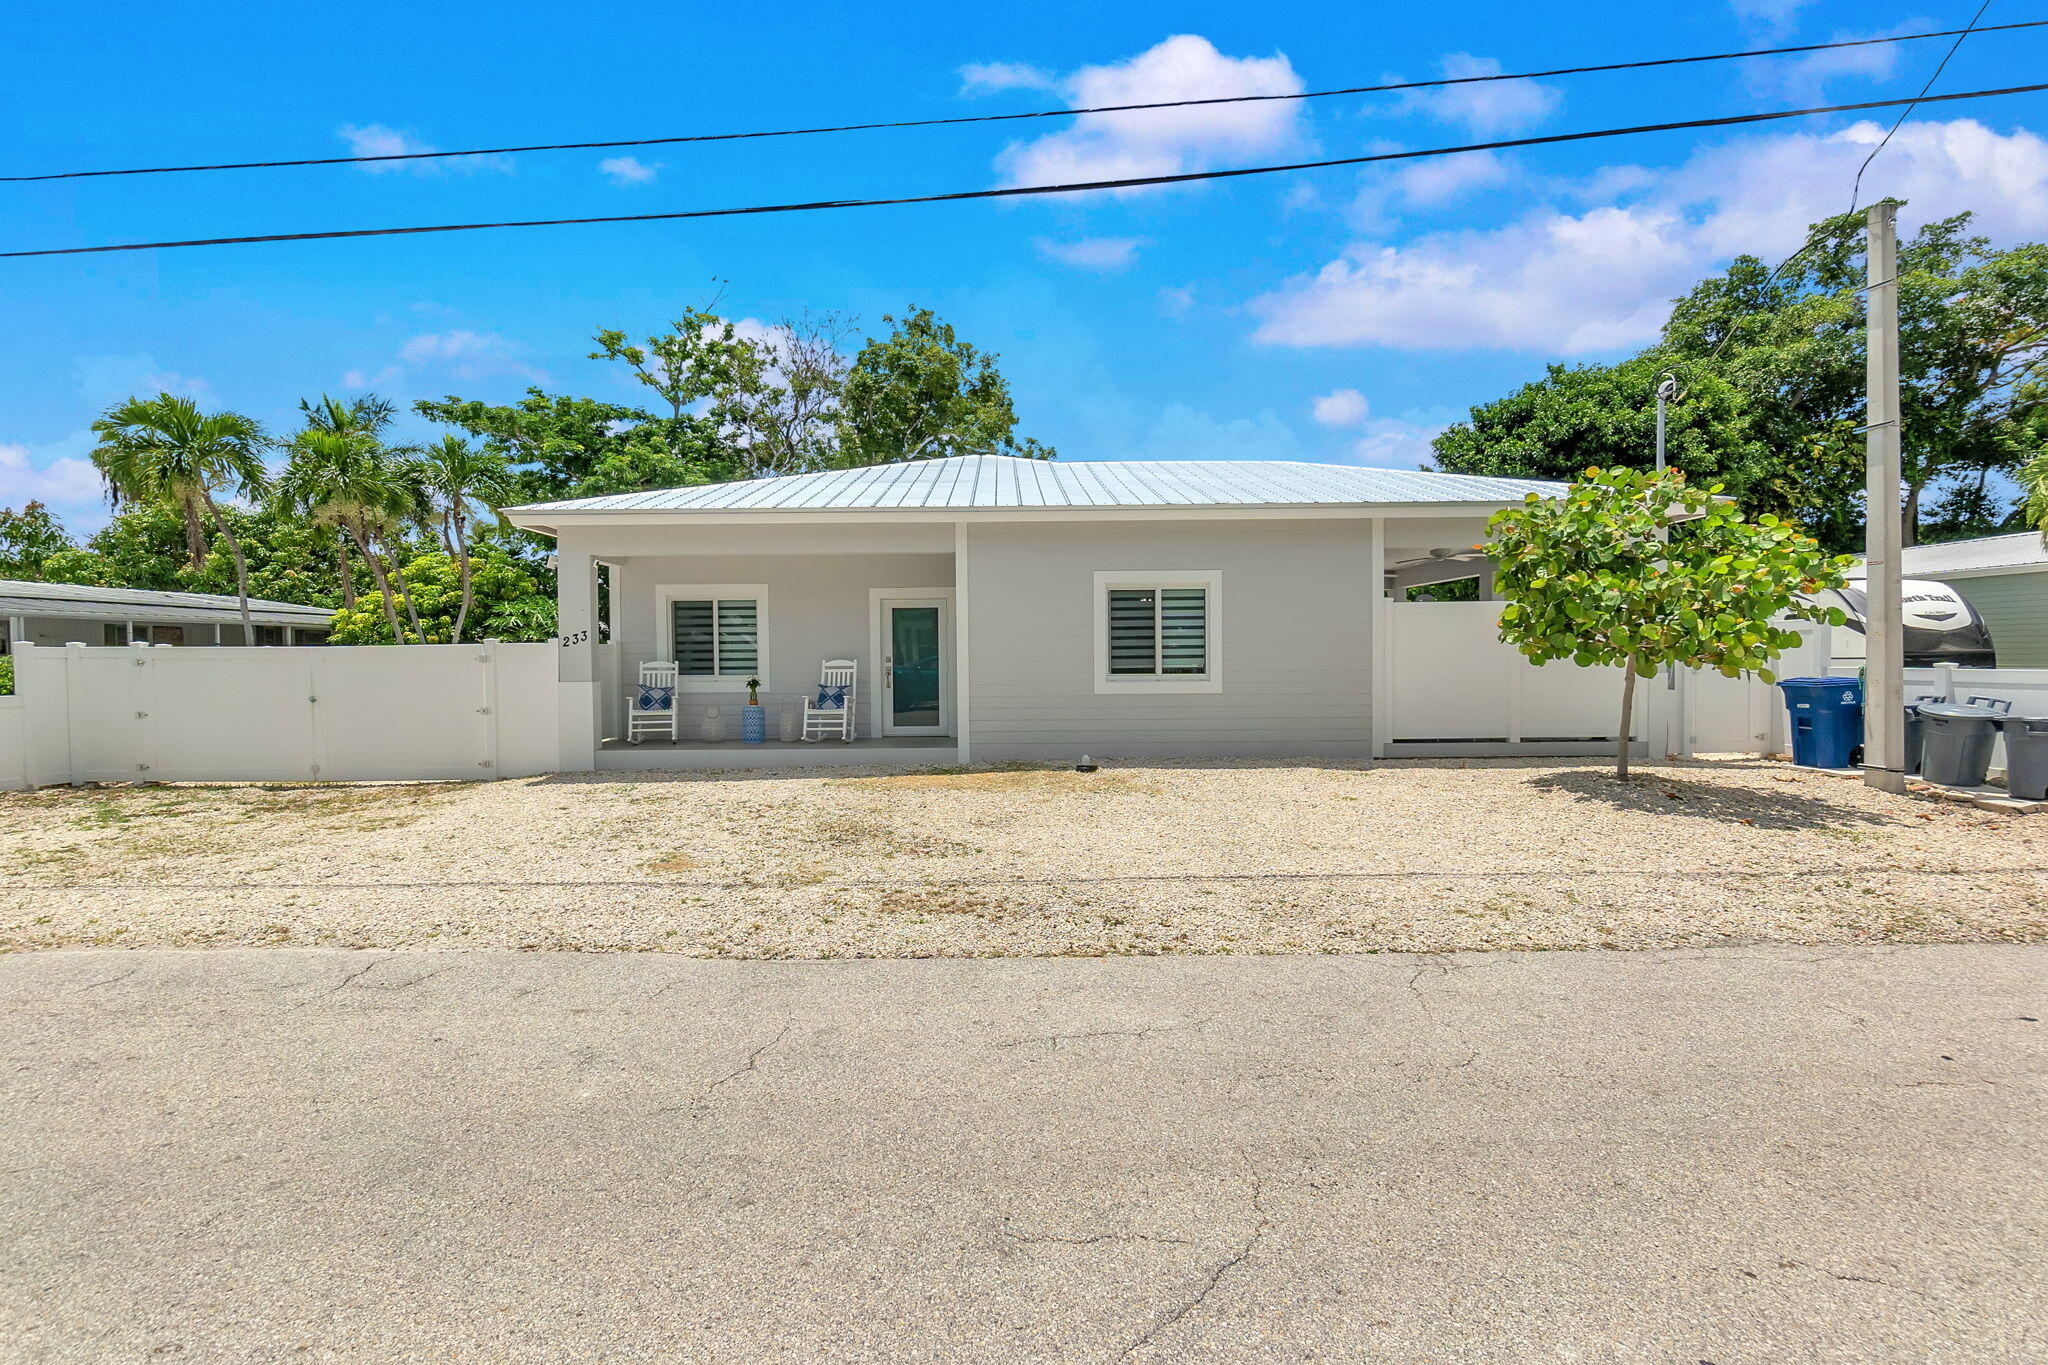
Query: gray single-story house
{"x": 999, "y": 608}
{"x": 74, "y": 613}
{"x": 2005, "y": 578}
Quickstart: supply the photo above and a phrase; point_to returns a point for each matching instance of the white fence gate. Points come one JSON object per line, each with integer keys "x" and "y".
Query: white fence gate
{"x": 154, "y": 713}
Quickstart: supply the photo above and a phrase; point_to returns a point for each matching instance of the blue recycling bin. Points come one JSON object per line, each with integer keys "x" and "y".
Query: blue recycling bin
{"x": 1827, "y": 720}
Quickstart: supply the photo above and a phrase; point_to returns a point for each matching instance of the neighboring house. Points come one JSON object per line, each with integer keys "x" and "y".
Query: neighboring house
{"x": 71, "y": 613}
{"x": 2006, "y": 579}
{"x": 1013, "y": 609}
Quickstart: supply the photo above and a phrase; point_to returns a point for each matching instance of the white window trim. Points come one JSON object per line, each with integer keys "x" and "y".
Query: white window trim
{"x": 666, "y": 594}
{"x": 1107, "y": 683}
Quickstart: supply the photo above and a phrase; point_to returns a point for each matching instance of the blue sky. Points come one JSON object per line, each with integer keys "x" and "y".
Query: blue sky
{"x": 1341, "y": 315}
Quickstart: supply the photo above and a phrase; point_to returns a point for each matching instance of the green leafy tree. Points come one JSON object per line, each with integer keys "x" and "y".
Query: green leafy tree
{"x": 506, "y": 600}
{"x": 1771, "y": 398}
{"x": 1973, "y": 340}
{"x": 288, "y": 558}
{"x": 567, "y": 447}
{"x": 165, "y": 450}
{"x": 28, "y": 539}
{"x": 1591, "y": 577}
{"x": 2034, "y": 480}
{"x": 921, "y": 393}
{"x": 1578, "y": 417}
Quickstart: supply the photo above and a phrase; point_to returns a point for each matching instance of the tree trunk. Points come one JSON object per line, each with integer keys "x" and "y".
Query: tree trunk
{"x": 412, "y": 608}
{"x": 195, "y": 534}
{"x": 348, "y": 572}
{"x": 462, "y": 553}
{"x": 383, "y": 584}
{"x": 1628, "y": 711}
{"x": 220, "y": 523}
{"x": 1909, "y": 515}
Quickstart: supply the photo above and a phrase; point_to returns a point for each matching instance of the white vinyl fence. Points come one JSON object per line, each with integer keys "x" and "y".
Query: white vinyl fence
{"x": 142, "y": 713}
{"x": 1455, "y": 687}
{"x": 2025, "y": 688}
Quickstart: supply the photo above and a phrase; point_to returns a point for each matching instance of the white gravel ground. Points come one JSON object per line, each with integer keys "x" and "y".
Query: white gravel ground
{"x": 1417, "y": 855}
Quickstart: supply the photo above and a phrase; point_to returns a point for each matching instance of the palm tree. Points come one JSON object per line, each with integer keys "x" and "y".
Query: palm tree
{"x": 165, "y": 450}
{"x": 465, "y": 485}
{"x": 2034, "y": 480}
{"x": 346, "y": 479}
{"x": 393, "y": 493}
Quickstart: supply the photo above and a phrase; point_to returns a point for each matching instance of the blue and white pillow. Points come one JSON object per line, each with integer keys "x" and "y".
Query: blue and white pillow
{"x": 831, "y": 698}
{"x": 654, "y": 698}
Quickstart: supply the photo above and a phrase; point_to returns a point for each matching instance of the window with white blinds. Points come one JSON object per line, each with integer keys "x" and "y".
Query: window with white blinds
{"x": 1159, "y": 632}
{"x": 715, "y": 633}
{"x": 1156, "y": 635}
{"x": 718, "y": 637}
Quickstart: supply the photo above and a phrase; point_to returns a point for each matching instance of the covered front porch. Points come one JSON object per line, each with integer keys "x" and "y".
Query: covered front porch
{"x": 771, "y": 604}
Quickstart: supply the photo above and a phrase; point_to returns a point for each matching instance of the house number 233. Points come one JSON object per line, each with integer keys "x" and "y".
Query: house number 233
{"x": 575, "y": 638}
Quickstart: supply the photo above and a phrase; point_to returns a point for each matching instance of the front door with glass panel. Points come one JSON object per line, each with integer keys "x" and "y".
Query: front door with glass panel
{"x": 914, "y": 666}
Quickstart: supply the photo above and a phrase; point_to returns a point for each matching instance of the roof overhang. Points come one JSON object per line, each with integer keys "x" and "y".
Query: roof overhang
{"x": 550, "y": 521}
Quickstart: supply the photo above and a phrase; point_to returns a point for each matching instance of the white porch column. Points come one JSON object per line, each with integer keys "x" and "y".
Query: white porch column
{"x": 1380, "y": 663}
{"x": 576, "y": 609}
{"x": 963, "y": 687}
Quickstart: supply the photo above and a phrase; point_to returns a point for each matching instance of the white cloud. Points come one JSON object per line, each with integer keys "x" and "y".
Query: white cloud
{"x": 378, "y": 139}
{"x": 56, "y": 474}
{"x": 1181, "y": 432}
{"x": 1805, "y": 78}
{"x": 457, "y": 354}
{"x": 1105, "y": 254}
{"x": 1399, "y": 442}
{"x": 628, "y": 170}
{"x": 104, "y": 380}
{"x": 1162, "y": 141}
{"x": 987, "y": 78}
{"x": 1775, "y": 15}
{"x": 1177, "y": 300}
{"x": 1601, "y": 279}
{"x": 1438, "y": 180}
{"x": 1485, "y": 107}
{"x": 1344, "y": 408}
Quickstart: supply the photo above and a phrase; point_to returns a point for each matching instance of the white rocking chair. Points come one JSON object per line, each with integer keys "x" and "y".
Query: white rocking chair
{"x": 651, "y": 707}
{"x": 834, "y": 717}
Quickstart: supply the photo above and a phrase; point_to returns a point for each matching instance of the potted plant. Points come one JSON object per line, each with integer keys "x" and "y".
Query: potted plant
{"x": 754, "y": 719}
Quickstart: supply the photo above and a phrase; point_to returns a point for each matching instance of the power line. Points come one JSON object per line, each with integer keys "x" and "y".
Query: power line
{"x": 1020, "y": 191}
{"x": 1856, "y": 189}
{"x": 1031, "y": 114}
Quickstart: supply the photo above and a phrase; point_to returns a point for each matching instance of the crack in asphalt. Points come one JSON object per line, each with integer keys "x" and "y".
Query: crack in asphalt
{"x": 702, "y": 1102}
{"x": 1055, "y": 1039}
{"x": 95, "y": 985}
{"x": 1179, "y": 1312}
{"x": 1033, "y": 1239}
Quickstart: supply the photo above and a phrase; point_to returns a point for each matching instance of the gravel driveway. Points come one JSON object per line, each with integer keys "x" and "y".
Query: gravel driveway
{"x": 1413, "y": 855}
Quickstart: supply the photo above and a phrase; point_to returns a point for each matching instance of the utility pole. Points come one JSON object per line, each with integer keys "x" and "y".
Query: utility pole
{"x": 1884, "y": 679}
{"x": 1667, "y": 389}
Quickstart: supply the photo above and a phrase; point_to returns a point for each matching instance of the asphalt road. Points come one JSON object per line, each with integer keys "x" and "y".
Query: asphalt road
{"x": 1724, "y": 1155}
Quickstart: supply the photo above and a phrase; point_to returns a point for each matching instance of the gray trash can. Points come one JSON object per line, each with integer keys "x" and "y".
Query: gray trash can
{"x": 2026, "y": 756}
{"x": 1957, "y": 743}
{"x": 1916, "y": 737}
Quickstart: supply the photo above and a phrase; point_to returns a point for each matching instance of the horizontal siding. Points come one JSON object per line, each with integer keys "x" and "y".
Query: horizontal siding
{"x": 817, "y": 609}
{"x": 2015, "y": 607}
{"x": 1293, "y": 641}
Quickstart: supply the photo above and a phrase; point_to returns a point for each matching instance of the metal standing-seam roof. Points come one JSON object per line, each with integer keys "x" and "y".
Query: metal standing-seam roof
{"x": 967, "y": 482}
{"x": 21, "y": 597}
{"x": 1984, "y": 554}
